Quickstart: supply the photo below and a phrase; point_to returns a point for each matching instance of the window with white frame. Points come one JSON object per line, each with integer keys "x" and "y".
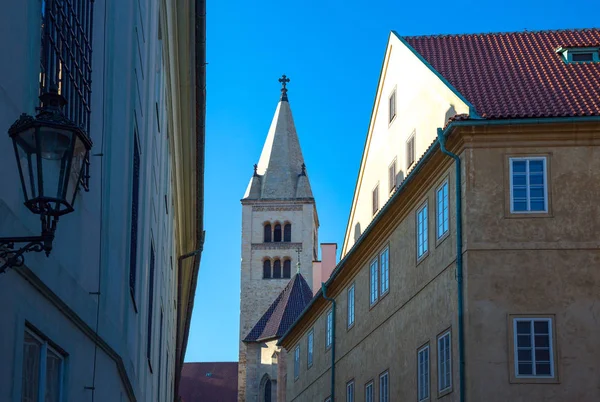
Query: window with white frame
{"x": 375, "y": 199}
{"x": 310, "y": 346}
{"x": 329, "y": 330}
{"x": 528, "y": 185}
{"x": 384, "y": 388}
{"x": 410, "y": 150}
{"x": 392, "y": 176}
{"x": 374, "y": 274}
{"x": 444, "y": 353}
{"x": 533, "y": 347}
{"x": 328, "y": 399}
{"x": 350, "y": 391}
{"x": 443, "y": 218}
{"x": 422, "y": 229}
{"x": 369, "y": 392}
{"x": 351, "y": 306}
{"x": 423, "y": 373}
{"x": 43, "y": 370}
{"x": 392, "y": 108}
{"x": 384, "y": 264}
{"x": 297, "y": 362}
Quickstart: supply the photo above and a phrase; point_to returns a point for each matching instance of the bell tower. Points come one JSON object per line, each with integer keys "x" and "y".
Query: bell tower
{"x": 279, "y": 239}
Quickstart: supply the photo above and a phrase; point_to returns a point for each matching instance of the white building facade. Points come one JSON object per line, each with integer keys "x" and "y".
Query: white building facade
{"x": 105, "y": 316}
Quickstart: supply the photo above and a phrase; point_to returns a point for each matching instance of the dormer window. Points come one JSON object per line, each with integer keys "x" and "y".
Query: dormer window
{"x": 580, "y": 54}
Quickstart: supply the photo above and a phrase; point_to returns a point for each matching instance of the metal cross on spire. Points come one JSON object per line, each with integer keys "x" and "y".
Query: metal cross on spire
{"x": 284, "y": 80}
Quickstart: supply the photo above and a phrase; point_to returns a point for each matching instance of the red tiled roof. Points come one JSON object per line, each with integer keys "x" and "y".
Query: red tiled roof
{"x": 209, "y": 382}
{"x": 517, "y": 75}
{"x": 283, "y": 312}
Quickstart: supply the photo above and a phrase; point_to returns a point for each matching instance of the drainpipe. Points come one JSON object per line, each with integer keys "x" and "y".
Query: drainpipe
{"x": 459, "y": 263}
{"x": 324, "y": 290}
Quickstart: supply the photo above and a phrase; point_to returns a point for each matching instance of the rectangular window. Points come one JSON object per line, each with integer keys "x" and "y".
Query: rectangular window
{"x": 135, "y": 197}
{"x": 374, "y": 274}
{"x": 528, "y": 185}
{"x": 351, "y": 306}
{"x": 384, "y": 388}
{"x": 422, "y": 230}
{"x": 410, "y": 150}
{"x": 310, "y": 345}
{"x": 384, "y": 263}
{"x": 43, "y": 370}
{"x": 369, "y": 392}
{"x": 392, "y": 176}
{"x": 442, "y": 210}
{"x": 350, "y": 392}
{"x": 375, "y": 199}
{"x": 329, "y": 334}
{"x": 297, "y": 362}
{"x": 444, "y": 353}
{"x": 392, "y": 108}
{"x": 423, "y": 373}
{"x": 534, "y": 356}
{"x": 150, "y": 303}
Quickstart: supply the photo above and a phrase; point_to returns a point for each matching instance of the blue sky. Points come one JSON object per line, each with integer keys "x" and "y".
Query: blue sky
{"x": 332, "y": 51}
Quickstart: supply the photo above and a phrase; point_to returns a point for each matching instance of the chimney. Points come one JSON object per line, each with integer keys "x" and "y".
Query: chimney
{"x": 316, "y": 285}
{"x": 328, "y": 260}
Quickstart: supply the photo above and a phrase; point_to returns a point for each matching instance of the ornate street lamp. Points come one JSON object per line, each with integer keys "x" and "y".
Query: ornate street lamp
{"x": 50, "y": 151}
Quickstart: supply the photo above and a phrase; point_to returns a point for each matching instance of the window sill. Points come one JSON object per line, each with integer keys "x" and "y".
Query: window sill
{"x": 526, "y": 215}
{"x": 445, "y": 392}
{"x": 349, "y": 327}
{"x": 534, "y": 380}
{"x": 421, "y": 258}
{"x": 372, "y": 305}
{"x": 441, "y": 239}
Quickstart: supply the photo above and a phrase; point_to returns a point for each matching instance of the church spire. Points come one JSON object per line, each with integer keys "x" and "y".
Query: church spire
{"x": 280, "y": 172}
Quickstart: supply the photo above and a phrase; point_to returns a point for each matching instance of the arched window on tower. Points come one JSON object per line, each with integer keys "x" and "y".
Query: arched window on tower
{"x": 268, "y": 391}
{"x": 287, "y": 268}
{"x": 267, "y": 269}
{"x": 268, "y": 233}
{"x": 277, "y": 269}
{"x": 287, "y": 232}
{"x": 277, "y": 233}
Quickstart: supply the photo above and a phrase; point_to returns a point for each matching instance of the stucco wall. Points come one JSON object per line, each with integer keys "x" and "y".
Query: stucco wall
{"x": 91, "y": 248}
{"x": 423, "y": 103}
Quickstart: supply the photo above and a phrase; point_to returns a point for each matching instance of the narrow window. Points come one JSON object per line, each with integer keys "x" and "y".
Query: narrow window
{"x": 329, "y": 331}
{"x": 410, "y": 150}
{"x": 528, "y": 185}
{"x": 268, "y": 390}
{"x": 277, "y": 233}
{"x": 287, "y": 232}
{"x": 422, "y": 229}
{"x": 369, "y": 392}
{"x": 533, "y": 347}
{"x": 150, "y": 304}
{"x": 310, "y": 345}
{"x": 43, "y": 370}
{"x": 444, "y": 353}
{"x": 135, "y": 197}
{"x": 375, "y": 199}
{"x": 277, "y": 269}
{"x": 351, "y": 306}
{"x": 160, "y": 353}
{"x": 384, "y": 390}
{"x": 392, "y": 109}
{"x": 384, "y": 263}
{"x": 350, "y": 392}
{"x": 392, "y": 177}
{"x": 423, "y": 373}
{"x": 442, "y": 210}
{"x": 267, "y": 269}
{"x": 374, "y": 274}
{"x": 267, "y": 233}
{"x": 297, "y": 362}
{"x": 287, "y": 268}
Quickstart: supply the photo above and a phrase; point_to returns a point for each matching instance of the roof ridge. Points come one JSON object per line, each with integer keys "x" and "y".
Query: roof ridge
{"x": 502, "y": 33}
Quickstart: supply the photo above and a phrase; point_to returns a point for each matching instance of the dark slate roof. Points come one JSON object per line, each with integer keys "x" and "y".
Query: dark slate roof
{"x": 519, "y": 74}
{"x": 283, "y": 312}
{"x": 209, "y": 382}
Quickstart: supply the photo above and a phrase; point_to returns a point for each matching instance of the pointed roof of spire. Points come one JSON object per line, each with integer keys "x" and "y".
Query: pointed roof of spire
{"x": 283, "y": 312}
{"x": 280, "y": 170}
